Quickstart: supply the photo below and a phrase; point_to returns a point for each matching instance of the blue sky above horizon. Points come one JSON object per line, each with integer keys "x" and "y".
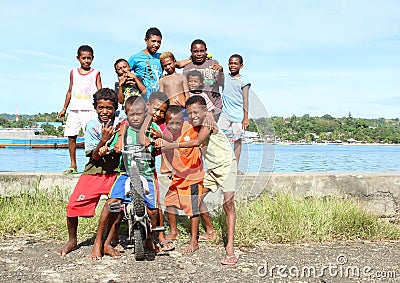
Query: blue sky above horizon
{"x": 302, "y": 57}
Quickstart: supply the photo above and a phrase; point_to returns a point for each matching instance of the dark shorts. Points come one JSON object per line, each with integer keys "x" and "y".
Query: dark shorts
{"x": 187, "y": 199}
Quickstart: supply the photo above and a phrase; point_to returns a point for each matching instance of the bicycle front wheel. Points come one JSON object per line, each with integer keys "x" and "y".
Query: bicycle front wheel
{"x": 139, "y": 238}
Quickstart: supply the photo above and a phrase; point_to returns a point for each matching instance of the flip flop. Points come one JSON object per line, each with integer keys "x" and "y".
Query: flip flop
{"x": 210, "y": 236}
{"x": 227, "y": 258}
{"x": 70, "y": 170}
{"x": 167, "y": 245}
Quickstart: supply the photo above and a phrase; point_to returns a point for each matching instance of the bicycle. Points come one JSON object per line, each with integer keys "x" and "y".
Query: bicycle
{"x": 139, "y": 224}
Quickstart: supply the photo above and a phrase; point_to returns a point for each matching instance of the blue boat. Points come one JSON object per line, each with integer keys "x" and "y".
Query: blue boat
{"x": 26, "y": 138}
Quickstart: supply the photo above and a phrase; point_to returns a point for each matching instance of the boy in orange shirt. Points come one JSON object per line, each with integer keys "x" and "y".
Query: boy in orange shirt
{"x": 186, "y": 187}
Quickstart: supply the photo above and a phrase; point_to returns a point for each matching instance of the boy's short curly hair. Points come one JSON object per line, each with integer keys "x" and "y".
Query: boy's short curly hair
{"x": 118, "y": 61}
{"x": 174, "y": 110}
{"x": 195, "y": 73}
{"x": 153, "y": 31}
{"x": 166, "y": 55}
{"x": 134, "y": 100}
{"x": 160, "y": 96}
{"x": 198, "y": 41}
{"x": 195, "y": 99}
{"x": 84, "y": 48}
{"x": 239, "y": 57}
{"x": 106, "y": 94}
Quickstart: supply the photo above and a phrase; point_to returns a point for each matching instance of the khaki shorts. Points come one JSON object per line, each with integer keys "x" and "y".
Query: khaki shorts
{"x": 233, "y": 130}
{"x": 76, "y": 120}
{"x": 223, "y": 177}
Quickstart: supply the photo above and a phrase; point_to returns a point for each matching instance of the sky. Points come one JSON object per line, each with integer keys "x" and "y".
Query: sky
{"x": 302, "y": 56}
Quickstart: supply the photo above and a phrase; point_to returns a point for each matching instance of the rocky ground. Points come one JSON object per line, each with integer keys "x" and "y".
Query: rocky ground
{"x": 23, "y": 259}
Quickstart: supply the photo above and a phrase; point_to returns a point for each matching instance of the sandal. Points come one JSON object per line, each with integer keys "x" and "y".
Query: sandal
{"x": 167, "y": 245}
{"x": 210, "y": 236}
{"x": 70, "y": 170}
{"x": 230, "y": 259}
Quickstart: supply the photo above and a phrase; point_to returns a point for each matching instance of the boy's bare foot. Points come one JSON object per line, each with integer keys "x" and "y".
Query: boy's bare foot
{"x": 109, "y": 250}
{"x": 96, "y": 252}
{"x": 151, "y": 245}
{"x": 171, "y": 236}
{"x": 119, "y": 248}
{"x": 229, "y": 250}
{"x": 191, "y": 248}
{"x": 68, "y": 247}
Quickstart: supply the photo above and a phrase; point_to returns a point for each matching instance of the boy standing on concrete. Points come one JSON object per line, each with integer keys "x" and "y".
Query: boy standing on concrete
{"x": 83, "y": 83}
{"x": 234, "y": 119}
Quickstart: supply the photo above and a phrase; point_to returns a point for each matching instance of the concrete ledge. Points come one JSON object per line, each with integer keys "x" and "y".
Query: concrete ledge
{"x": 377, "y": 192}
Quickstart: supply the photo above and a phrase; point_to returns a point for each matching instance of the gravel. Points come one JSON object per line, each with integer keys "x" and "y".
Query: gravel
{"x": 24, "y": 259}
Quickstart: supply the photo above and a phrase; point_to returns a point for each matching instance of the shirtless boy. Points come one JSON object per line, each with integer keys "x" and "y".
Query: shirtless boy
{"x": 173, "y": 84}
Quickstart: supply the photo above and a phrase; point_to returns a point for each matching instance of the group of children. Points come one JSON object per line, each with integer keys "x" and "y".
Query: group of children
{"x": 173, "y": 114}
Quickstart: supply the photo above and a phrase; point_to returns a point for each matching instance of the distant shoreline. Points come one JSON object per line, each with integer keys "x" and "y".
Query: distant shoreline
{"x": 335, "y": 144}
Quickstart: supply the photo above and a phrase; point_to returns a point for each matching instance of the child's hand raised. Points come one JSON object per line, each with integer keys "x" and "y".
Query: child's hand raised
{"x": 178, "y": 102}
{"x": 129, "y": 79}
{"x": 158, "y": 143}
{"x": 217, "y": 67}
{"x": 164, "y": 145}
{"x": 107, "y": 131}
{"x": 104, "y": 150}
{"x": 209, "y": 122}
{"x": 155, "y": 134}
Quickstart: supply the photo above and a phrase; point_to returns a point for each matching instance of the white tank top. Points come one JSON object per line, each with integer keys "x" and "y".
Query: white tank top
{"x": 83, "y": 88}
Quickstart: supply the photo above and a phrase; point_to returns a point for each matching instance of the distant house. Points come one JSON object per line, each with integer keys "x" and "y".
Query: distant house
{"x": 54, "y": 124}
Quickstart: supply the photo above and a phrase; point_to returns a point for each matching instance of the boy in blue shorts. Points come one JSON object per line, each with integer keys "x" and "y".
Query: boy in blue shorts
{"x": 135, "y": 108}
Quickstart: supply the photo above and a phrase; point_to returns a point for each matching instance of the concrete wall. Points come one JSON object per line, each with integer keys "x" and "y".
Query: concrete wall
{"x": 377, "y": 192}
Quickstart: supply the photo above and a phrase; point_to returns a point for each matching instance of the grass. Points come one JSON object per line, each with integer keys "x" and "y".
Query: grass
{"x": 283, "y": 219}
{"x": 41, "y": 213}
{"x": 290, "y": 219}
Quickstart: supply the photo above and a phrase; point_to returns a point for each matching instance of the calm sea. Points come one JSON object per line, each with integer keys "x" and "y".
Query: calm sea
{"x": 255, "y": 158}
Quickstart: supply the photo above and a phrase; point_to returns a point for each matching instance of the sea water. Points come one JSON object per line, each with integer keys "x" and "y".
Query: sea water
{"x": 254, "y": 158}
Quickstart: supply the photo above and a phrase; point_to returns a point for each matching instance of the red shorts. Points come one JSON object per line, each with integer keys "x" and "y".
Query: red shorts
{"x": 87, "y": 192}
{"x": 187, "y": 199}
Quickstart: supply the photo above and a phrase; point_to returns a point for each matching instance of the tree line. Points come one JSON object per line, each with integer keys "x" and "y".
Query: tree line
{"x": 304, "y": 128}
{"x": 24, "y": 121}
{"x": 327, "y": 128}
